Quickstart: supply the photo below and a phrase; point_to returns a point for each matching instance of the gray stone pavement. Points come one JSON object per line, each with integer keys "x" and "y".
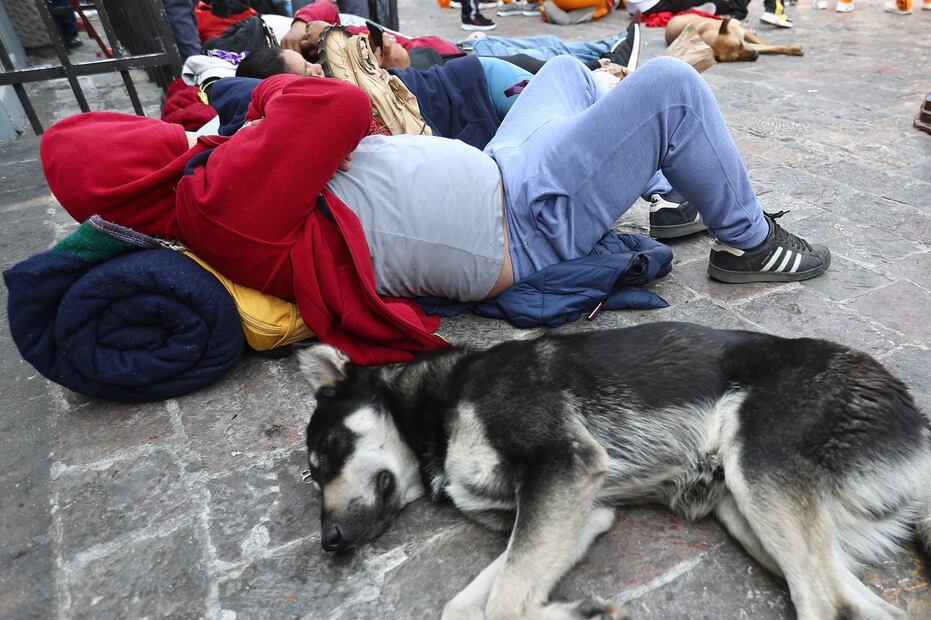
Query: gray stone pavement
{"x": 194, "y": 507}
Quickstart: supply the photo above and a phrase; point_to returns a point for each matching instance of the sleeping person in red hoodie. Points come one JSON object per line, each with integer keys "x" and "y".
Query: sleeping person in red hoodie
{"x": 270, "y": 207}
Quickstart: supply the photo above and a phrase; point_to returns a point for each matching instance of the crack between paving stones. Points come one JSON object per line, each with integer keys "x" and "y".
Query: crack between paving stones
{"x": 671, "y": 575}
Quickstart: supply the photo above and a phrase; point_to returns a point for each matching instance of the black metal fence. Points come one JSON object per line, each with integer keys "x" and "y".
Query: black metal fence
{"x": 138, "y": 34}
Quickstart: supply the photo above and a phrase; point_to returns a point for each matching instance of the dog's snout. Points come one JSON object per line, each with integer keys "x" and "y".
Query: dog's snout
{"x": 753, "y": 55}
{"x": 332, "y": 538}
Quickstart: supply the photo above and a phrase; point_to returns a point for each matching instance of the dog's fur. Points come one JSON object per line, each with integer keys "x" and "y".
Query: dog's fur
{"x": 727, "y": 38}
{"x": 812, "y": 455}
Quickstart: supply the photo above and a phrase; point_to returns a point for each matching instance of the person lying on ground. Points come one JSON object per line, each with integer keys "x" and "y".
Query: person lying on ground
{"x": 456, "y": 100}
{"x": 310, "y": 21}
{"x": 302, "y": 204}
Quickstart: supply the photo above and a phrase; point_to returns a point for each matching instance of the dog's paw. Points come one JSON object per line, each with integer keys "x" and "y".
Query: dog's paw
{"x": 597, "y": 609}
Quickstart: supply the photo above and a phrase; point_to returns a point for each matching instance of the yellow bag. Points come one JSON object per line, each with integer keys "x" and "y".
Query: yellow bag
{"x": 267, "y": 321}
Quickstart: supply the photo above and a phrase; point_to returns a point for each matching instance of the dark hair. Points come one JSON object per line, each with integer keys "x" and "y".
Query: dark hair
{"x": 262, "y": 63}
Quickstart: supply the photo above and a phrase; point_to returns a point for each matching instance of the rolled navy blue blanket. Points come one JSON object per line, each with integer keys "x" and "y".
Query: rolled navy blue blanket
{"x": 107, "y": 319}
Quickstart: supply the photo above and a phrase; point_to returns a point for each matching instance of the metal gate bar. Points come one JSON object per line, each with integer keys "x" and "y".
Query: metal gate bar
{"x": 158, "y": 32}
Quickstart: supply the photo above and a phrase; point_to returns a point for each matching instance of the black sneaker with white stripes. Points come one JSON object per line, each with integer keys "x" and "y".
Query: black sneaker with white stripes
{"x": 626, "y": 51}
{"x": 782, "y": 257}
{"x": 672, "y": 216}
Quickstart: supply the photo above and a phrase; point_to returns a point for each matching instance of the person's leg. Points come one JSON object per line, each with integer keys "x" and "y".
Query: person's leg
{"x": 735, "y": 8}
{"x": 545, "y": 46}
{"x": 527, "y": 63}
{"x": 593, "y": 50}
{"x": 66, "y": 21}
{"x": 184, "y": 26}
{"x": 554, "y": 145}
{"x": 500, "y": 77}
{"x": 355, "y": 7}
{"x": 657, "y": 185}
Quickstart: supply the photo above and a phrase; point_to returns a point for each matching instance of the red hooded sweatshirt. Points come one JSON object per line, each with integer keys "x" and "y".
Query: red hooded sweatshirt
{"x": 254, "y": 206}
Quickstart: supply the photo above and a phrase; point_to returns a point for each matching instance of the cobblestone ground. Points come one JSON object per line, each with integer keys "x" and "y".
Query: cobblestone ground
{"x": 194, "y": 507}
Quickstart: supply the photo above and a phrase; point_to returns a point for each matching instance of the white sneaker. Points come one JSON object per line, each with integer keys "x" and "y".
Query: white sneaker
{"x": 518, "y": 7}
{"x": 893, "y": 7}
{"x": 780, "y": 21}
{"x": 820, "y": 5}
{"x": 926, "y": 5}
{"x": 844, "y": 7}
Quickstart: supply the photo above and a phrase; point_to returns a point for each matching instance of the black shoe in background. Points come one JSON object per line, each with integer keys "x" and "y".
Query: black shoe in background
{"x": 671, "y": 216}
{"x": 479, "y": 22}
{"x": 626, "y": 52}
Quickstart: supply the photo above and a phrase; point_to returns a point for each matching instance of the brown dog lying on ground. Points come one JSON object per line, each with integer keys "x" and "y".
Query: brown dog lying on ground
{"x": 729, "y": 40}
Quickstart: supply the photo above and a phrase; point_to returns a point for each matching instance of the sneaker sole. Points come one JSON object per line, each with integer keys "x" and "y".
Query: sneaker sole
{"x": 678, "y": 230}
{"x": 635, "y": 49}
{"x": 778, "y": 23}
{"x": 475, "y": 28}
{"x": 747, "y": 277}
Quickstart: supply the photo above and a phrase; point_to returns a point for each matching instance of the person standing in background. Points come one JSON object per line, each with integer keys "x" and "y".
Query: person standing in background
{"x": 774, "y": 13}
{"x": 67, "y": 24}
{"x": 472, "y": 19}
{"x": 184, "y": 26}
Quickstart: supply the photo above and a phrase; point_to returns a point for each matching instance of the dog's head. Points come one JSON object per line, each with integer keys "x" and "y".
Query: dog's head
{"x": 356, "y": 455}
{"x": 729, "y": 46}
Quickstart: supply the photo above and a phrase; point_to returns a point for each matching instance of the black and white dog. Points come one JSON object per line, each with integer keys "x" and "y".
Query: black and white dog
{"x": 812, "y": 455}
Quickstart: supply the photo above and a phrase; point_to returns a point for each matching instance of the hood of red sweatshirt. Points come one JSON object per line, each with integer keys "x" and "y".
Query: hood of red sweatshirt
{"x": 124, "y": 168}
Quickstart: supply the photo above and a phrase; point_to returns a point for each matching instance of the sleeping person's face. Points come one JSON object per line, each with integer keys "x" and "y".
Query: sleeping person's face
{"x": 296, "y": 64}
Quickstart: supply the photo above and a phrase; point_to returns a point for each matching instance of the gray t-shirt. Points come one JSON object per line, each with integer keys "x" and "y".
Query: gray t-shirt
{"x": 432, "y": 213}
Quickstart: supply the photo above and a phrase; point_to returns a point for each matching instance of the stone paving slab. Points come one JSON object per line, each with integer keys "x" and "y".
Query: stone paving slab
{"x": 195, "y": 508}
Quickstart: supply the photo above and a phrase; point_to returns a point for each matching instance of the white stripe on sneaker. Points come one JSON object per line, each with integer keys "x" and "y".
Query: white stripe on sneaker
{"x": 785, "y": 261}
{"x": 772, "y": 259}
{"x": 798, "y": 261}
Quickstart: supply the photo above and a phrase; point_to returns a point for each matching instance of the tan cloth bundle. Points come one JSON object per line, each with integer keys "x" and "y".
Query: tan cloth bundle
{"x": 349, "y": 58}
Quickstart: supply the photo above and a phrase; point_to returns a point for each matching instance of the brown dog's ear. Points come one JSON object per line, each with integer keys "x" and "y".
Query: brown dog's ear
{"x": 323, "y": 365}
{"x": 724, "y": 23}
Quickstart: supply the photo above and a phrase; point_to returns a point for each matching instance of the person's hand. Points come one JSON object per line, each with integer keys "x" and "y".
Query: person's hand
{"x": 292, "y": 40}
{"x": 346, "y": 163}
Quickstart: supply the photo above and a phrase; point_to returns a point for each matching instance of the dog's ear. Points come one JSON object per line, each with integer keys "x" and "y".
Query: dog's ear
{"x": 724, "y": 23}
{"x": 323, "y": 365}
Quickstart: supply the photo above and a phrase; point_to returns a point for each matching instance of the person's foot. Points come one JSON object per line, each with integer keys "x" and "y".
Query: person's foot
{"x": 519, "y": 7}
{"x": 73, "y": 42}
{"x": 626, "y": 51}
{"x": 780, "y": 21}
{"x": 844, "y": 7}
{"x": 897, "y": 7}
{"x": 671, "y": 216}
{"x": 926, "y": 5}
{"x": 782, "y": 257}
{"x": 479, "y": 22}
{"x": 819, "y": 4}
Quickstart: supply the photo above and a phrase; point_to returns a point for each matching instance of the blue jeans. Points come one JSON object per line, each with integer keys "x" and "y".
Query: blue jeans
{"x": 500, "y": 76}
{"x": 66, "y": 21}
{"x": 544, "y": 47}
{"x": 574, "y": 158}
{"x": 184, "y": 26}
